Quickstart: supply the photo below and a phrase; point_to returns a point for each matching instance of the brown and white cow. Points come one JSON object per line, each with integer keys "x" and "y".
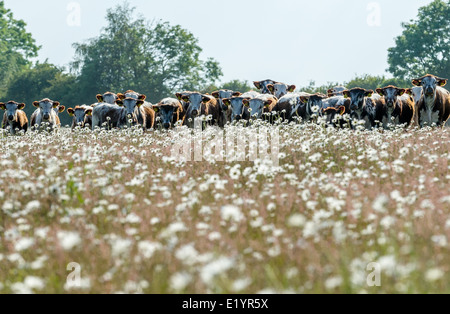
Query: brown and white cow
{"x": 335, "y": 117}
{"x": 14, "y": 117}
{"x": 434, "y": 104}
{"x": 199, "y": 105}
{"x": 280, "y": 89}
{"x": 44, "y": 114}
{"x": 309, "y": 106}
{"x": 395, "y": 108}
{"x": 169, "y": 111}
{"x": 288, "y": 105}
{"x": 82, "y": 116}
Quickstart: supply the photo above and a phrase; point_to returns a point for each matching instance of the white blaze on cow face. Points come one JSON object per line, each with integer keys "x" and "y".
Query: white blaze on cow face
{"x": 280, "y": 89}
{"x": 11, "y": 110}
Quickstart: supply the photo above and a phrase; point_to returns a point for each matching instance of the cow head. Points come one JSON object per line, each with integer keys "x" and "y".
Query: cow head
{"x": 313, "y": 103}
{"x": 194, "y": 101}
{"x": 357, "y": 97}
{"x": 262, "y": 86}
{"x": 333, "y": 115}
{"x": 237, "y": 106}
{"x": 336, "y": 91}
{"x": 256, "y": 105}
{"x": 130, "y": 105}
{"x": 280, "y": 89}
{"x": 429, "y": 84}
{"x": 11, "y": 108}
{"x": 166, "y": 110}
{"x": 132, "y": 94}
{"x": 224, "y": 93}
{"x": 79, "y": 114}
{"x": 46, "y": 107}
{"x": 108, "y": 97}
{"x": 390, "y": 94}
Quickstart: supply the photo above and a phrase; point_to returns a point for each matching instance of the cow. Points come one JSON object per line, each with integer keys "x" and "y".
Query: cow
{"x": 109, "y": 98}
{"x": 261, "y": 106}
{"x": 262, "y": 85}
{"x": 14, "y": 117}
{"x": 336, "y": 91}
{"x": 336, "y": 102}
{"x": 280, "y": 89}
{"x": 200, "y": 104}
{"x": 137, "y": 112}
{"x": 236, "y": 105}
{"x": 397, "y": 107}
{"x": 334, "y": 116}
{"x": 434, "y": 104}
{"x": 184, "y": 104}
{"x": 362, "y": 106}
{"x": 287, "y": 105}
{"x": 109, "y": 116}
{"x": 225, "y": 110}
{"x": 82, "y": 116}
{"x": 45, "y": 114}
{"x": 169, "y": 111}
{"x": 309, "y": 106}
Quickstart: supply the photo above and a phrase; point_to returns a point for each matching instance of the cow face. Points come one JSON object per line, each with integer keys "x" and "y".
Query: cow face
{"x": 166, "y": 113}
{"x": 390, "y": 94}
{"x": 237, "y": 107}
{"x": 356, "y": 96}
{"x": 336, "y": 91}
{"x": 256, "y": 106}
{"x": 108, "y": 97}
{"x": 313, "y": 103}
{"x": 11, "y": 108}
{"x": 130, "y": 105}
{"x": 280, "y": 89}
{"x": 429, "y": 83}
{"x": 79, "y": 114}
{"x": 132, "y": 94}
{"x": 46, "y": 107}
{"x": 195, "y": 101}
{"x": 262, "y": 86}
{"x": 333, "y": 115}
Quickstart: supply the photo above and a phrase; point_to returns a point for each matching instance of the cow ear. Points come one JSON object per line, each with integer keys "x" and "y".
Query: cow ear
{"x": 257, "y": 84}
{"x": 36, "y": 104}
{"x": 61, "y": 109}
{"x": 178, "y": 95}
{"x": 139, "y": 102}
{"x": 215, "y": 94}
{"x": 442, "y": 82}
{"x": 205, "y": 99}
{"x": 401, "y": 91}
{"x": 268, "y": 103}
{"x": 120, "y": 96}
{"x": 409, "y": 91}
{"x": 88, "y": 112}
{"x": 292, "y": 88}
{"x": 142, "y": 97}
{"x": 226, "y": 102}
{"x": 368, "y": 93}
{"x": 100, "y": 98}
{"x": 156, "y": 108}
{"x": 270, "y": 87}
{"x": 246, "y": 102}
{"x": 185, "y": 98}
{"x": 119, "y": 102}
{"x": 71, "y": 112}
{"x": 304, "y": 99}
{"x": 55, "y": 104}
{"x": 341, "y": 110}
{"x": 330, "y": 93}
{"x": 417, "y": 82}
{"x": 21, "y": 106}
{"x": 380, "y": 91}
{"x": 346, "y": 93}
{"x": 2, "y": 106}
{"x": 236, "y": 94}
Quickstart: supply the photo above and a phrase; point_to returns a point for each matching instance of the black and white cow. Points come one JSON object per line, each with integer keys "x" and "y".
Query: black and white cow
{"x": 362, "y": 106}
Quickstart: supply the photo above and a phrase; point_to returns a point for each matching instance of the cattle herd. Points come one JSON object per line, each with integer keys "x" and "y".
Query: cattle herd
{"x": 425, "y": 104}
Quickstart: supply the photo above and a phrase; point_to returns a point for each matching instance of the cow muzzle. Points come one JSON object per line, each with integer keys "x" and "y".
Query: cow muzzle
{"x": 10, "y": 117}
{"x": 46, "y": 116}
{"x": 195, "y": 112}
{"x": 166, "y": 126}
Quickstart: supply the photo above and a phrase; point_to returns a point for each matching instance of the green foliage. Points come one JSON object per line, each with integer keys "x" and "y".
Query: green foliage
{"x": 423, "y": 46}
{"x": 373, "y": 82}
{"x": 44, "y": 80}
{"x": 153, "y": 58}
{"x": 234, "y": 85}
{"x": 16, "y": 47}
{"x": 313, "y": 89}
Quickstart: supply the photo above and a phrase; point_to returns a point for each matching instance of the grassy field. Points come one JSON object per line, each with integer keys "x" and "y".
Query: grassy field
{"x": 117, "y": 209}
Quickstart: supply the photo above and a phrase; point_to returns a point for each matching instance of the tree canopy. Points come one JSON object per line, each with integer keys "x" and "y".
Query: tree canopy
{"x": 424, "y": 46}
{"x": 17, "y": 46}
{"x": 153, "y": 58}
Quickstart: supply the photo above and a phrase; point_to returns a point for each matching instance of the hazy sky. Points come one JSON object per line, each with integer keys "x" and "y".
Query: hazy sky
{"x": 292, "y": 41}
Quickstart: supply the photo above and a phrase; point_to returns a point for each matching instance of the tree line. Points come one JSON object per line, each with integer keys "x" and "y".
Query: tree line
{"x": 158, "y": 59}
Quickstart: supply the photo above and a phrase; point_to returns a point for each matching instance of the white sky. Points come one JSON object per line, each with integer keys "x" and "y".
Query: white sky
{"x": 292, "y": 41}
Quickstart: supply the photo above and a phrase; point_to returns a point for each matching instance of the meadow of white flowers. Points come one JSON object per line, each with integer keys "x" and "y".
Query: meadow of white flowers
{"x": 115, "y": 212}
